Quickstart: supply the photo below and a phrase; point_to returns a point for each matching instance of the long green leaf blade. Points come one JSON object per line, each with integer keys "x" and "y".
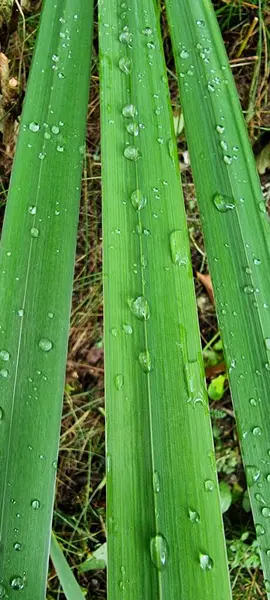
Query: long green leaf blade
{"x": 236, "y": 229}
{"x": 165, "y": 535}
{"x": 68, "y": 582}
{"x": 36, "y": 272}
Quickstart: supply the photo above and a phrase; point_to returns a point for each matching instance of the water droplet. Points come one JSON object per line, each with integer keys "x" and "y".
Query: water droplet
{"x": 60, "y": 148}
{"x": 259, "y": 497}
{"x": 266, "y": 341}
{"x": 147, "y": 31}
{"x": 224, "y": 145}
{"x": 159, "y": 551}
{"x": 193, "y": 516}
{"x": 248, "y": 289}
{"x": 50, "y": 315}
{"x": 184, "y": 54}
{"x": 34, "y": 232}
{"x": 32, "y": 210}
{"x": 45, "y": 344}
{"x": 259, "y": 529}
{"x": 206, "y": 562}
{"x": 55, "y": 130}
{"x": 262, "y": 207}
{"x": 55, "y": 58}
{"x": 257, "y": 261}
{"x": 125, "y": 36}
{"x": 125, "y": 65}
{"x": 17, "y": 546}
{"x": 127, "y": 329}
{"x": 129, "y": 111}
{"x": 266, "y": 512}
{"x": 200, "y": 23}
{"x": 35, "y": 504}
{"x": 138, "y": 200}
{"x": 42, "y": 155}
{"x": 227, "y": 159}
{"x": 133, "y": 129}
{"x": 119, "y": 381}
{"x": 17, "y": 583}
{"x": 54, "y": 465}
{"x": 140, "y": 308}
{"x": 4, "y": 355}
{"x": 257, "y": 431}
{"x": 253, "y": 402}
{"x": 220, "y": 129}
{"x": 60, "y": 75}
{"x": 34, "y": 127}
{"x": 223, "y": 203}
{"x": 209, "y": 485}
{"x": 267, "y": 366}
{"x": 145, "y": 361}
{"x": 177, "y": 248}
{"x": 266, "y": 581}
{"x": 132, "y": 153}
{"x": 156, "y": 482}
{"x": 4, "y": 373}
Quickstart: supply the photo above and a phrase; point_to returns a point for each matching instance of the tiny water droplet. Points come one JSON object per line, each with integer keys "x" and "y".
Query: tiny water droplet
{"x": 257, "y": 261}
{"x": 220, "y": 129}
{"x": 193, "y": 516}
{"x": 259, "y": 497}
{"x": 184, "y": 54}
{"x": 125, "y": 65}
{"x": 35, "y": 504}
{"x": 145, "y": 361}
{"x": 138, "y": 200}
{"x": 55, "y": 129}
{"x": 133, "y": 129}
{"x": 262, "y": 207}
{"x": 60, "y": 148}
{"x": 34, "y": 232}
{"x": 147, "y": 31}
{"x": 32, "y": 210}
{"x": 54, "y": 465}
{"x": 253, "y": 402}
{"x": 266, "y": 512}
{"x": 45, "y": 344}
{"x": 132, "y": 153}
{"x": 209, "y": 485}
{"x": 119, "y": 381}
{"x": 206, "y": 562}
{"x": 248, "y": 289}
{"x": 267, "y": 343}
{"x": 156, "y": 482}
{"x": 227, "y": 159}
{"x": 159, "y": 551}
{"x": 50, "y": 315}
{"x": 140, "y": 308}
{"x": 200, "y": 23}
{"x": 129, "y": 111}
{"x": 17, "y": 583}
{"x": 42, "y": 155}
{"x": 4, "y": 355}
{"x": 223, "y": 203}
{"x": 224, "y": 145}
{"x": 34, "y": 127}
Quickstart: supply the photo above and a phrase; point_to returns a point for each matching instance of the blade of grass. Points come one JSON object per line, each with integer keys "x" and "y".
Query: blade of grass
{"x": 165, "y": 535}
{"x": 236, "y": 229}
{"x": 36, "y": 272}
{"x": 68, "y": 582}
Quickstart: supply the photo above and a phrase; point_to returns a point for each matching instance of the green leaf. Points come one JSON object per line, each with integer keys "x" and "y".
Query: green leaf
{"x": 36, "y": 273}
{"x": 236, "y": 231}
{"x": 165, "y": 533}
{"x": 216, "y": 387}
{"x": 225, "y": 496}
{"x": 97, "y": 560}
{"x": 68, "y": 582}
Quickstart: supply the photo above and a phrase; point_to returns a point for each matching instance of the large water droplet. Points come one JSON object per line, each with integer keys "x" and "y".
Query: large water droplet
{"x": 125, "y": 65}
{"x": 140, "y": 308}
{"x": 145, "y": 361}
{"x": 132, "y": 153}
{"x": 45, "y": 344}
{"x": 119, "y": 381}
{"x": 257, "y": 431}
{"x": 129, "y": 111}
{"x": 127, "y": 329}
{"x": 147, "y": 31}
{"x": 17, "y": 546}
{"x": 259, "y": 529}
{"x": 259, "y": 498}
{"x": 223, "y": 203}
{"x": 227, "y": 159}
{"x": 200, "y": 23}
{"x": 266, "y": 512}
{"x": 133, "y": 129}
{"x": 193, "y": 516}
{"x": 125, "y": 36}
{"x": 206, "y": 562}
{"x": 4, "y": 355}
{"x": 35, "y": 504}
{"x": 17, "y": 583}
{"x": 55, "y": 129}
{"x": 248, "y": 289}
{"x": 4, "y": 373}
{"x": 138, "y": 200}
{"x": 177, "y": 248}
{"x": 159, "y": 551}
{"x": 32, "y": 210}
{"x": 184, "y": 54}
{"x": 220, "y": 129}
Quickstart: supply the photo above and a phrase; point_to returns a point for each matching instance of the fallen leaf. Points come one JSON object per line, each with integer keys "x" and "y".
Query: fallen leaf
{"x": 206, "y": 281}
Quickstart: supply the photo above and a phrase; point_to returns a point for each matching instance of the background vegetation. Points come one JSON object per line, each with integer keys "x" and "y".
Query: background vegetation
{"x": 79, "y": 516}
